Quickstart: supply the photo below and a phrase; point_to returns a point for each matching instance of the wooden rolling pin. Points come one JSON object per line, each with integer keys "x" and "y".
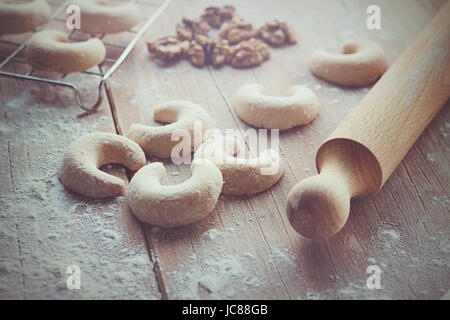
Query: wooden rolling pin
{"x": 363, "y": 151}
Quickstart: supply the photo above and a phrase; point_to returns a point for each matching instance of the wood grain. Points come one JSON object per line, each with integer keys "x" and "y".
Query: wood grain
{"x": 403, "y": 229}
{"x": 362, "y": 152}
{"x": 45, "y": 229}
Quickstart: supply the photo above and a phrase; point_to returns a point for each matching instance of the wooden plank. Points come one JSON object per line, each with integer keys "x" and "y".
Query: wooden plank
{"x": 298, "y": 145}
{"x": 246, "y": 248}
{"x": 44, "y": 228}
{"x": 347, "y": 269}
{"x": 398, "y": 204}
{"x": 242, "y": 214}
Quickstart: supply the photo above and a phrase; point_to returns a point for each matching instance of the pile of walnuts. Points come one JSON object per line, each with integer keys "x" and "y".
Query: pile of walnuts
{"x": 236, "y": 43}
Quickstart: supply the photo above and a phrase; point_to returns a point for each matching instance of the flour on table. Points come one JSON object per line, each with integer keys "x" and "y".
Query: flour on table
{"x": 212, "y": 277}
{"x": 44, "y": 228}
{"x": 431, "y": 157}
{"x": 334, "y": 101}
{"x": 212, "y": 234}
{"x": 390, "y": 234}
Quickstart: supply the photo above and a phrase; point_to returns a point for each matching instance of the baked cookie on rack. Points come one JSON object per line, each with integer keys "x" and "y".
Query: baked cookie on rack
{"x": 50, "y": 50}
{"x": 22, "y": 17}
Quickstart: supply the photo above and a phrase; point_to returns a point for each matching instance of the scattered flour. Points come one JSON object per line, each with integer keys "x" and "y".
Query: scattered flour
{"x": 212, "y": 234}
{"x": 335, "y": 101}
{"x": 43, "y": 228}
{"x": 230, "y": 229}
{"x": 390, "y": 234}
{"x": 282, "y": 256}
{"x": 430, "y": 157}
{"x": 213, "y": 277}
{"x": 250, "y": 256}
{"x": 397, "y": 257}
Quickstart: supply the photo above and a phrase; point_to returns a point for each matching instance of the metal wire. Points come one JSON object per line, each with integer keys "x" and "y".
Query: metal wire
{"x": 104, "y": 76}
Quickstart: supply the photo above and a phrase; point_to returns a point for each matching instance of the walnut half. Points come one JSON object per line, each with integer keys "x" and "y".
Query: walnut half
{"x": 217, "y": 52}
{"x": 277, "y": 33}
{"x": 188, "y": 29}
{"x": 167, "y": 48}
{"x": 236, "y": 30}
{"x": 248, "y": 54}
{"x": 216, "y": 16}
{"x": 197, "y": 51}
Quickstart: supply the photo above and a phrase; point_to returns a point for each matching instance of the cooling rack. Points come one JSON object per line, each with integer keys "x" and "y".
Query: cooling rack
{"x": 102, "y": 74}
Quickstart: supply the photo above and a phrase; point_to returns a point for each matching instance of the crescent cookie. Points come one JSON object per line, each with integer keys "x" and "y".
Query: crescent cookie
{"x": 241, "y": 176}
{"x": 23, "y": 17}
{"x": 174, "y": 205}
{"x": 299, "y": 107}
{"x": 50, "y": 50}
{"x": 361, "y": 63}
{"x": 80, "y": 169}
{"x": 182, "y": 116}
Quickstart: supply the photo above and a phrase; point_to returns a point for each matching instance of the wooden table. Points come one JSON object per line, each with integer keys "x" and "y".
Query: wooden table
{"x": 246, "y": 249}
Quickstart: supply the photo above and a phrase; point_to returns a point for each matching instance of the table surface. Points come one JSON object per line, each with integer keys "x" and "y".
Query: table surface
{"x": 246, "y": 248}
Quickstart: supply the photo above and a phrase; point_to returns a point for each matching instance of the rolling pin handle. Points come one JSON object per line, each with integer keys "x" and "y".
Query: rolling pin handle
{"x": 319, "y": 206}
{"x": 363, "y": 151}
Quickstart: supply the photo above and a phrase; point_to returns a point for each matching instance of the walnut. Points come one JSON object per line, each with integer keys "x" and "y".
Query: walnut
{"x": 238, "y": 35}
{"x": 216, "y": 16}
{"x": 167, "y": 48}
{"x": 236, "y": 30}
{"x": 217, "y": 52}
{"x": 196, "y": 55}
{"x": 237, "y": 44}
{"x": 197, "y": 51}
{"x": 290, "y": 33}
{"x": 248, "y": 53}
{"x": 202, "y": 40}
{"x": 188, "y": 29}
{"x": 277, "y": 33}
{"x": 230, "y": 24}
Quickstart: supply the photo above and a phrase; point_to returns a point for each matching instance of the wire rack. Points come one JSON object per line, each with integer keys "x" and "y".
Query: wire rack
{"x": 102, "y": 74}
